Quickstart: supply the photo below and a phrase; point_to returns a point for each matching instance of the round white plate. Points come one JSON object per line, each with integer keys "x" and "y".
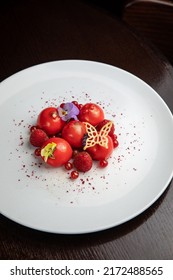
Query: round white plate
{"x": 138, "y": 172}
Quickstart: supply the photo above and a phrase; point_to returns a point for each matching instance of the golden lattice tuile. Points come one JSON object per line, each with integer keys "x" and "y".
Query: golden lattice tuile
{"x": 97, "y": 137}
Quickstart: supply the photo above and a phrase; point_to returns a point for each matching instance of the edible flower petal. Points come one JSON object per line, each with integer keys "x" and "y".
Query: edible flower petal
{"x": 68, "y": 111}
{"x": 48, "y": 150}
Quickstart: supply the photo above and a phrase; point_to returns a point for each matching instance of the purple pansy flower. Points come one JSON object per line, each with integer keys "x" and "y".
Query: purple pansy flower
{"x": 68, "y": 111}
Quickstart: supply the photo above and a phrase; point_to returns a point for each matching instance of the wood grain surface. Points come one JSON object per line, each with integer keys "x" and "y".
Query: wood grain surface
{"x": 154, "y": 20}
{"x": 34, "y": 32}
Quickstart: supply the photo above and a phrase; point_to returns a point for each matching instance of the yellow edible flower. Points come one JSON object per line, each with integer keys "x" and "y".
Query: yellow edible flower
{"x": 48, "y": 150}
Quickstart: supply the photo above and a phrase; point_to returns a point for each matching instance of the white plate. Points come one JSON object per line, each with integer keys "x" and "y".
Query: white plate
{"x": 139, "y": 170}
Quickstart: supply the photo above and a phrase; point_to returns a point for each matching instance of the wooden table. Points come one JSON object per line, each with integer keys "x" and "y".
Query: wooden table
{"x": 34, "y": 32}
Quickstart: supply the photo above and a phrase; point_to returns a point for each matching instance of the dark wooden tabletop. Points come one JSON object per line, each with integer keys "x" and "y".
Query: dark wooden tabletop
{"x": 34, "y": 32}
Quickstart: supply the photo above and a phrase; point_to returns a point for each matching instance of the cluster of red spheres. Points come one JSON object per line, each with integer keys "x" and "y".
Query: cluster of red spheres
{"x": 73, "y": 135}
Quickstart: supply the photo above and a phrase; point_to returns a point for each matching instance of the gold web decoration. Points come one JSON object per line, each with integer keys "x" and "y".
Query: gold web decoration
{"x": 97, "y": 137}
